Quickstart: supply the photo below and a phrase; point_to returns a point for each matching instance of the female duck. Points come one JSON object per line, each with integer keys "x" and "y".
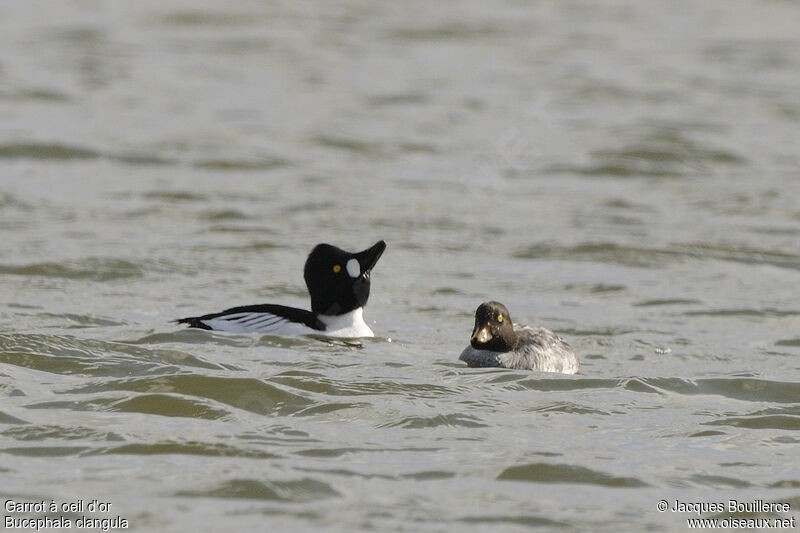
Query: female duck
{"x": 495, "y": 342}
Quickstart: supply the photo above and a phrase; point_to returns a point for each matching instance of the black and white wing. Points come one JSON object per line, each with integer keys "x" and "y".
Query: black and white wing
{"x": 267, "y": 318}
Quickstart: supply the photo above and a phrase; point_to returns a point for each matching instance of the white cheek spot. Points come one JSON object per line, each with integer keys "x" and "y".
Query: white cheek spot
{"x": 354, "y": 268}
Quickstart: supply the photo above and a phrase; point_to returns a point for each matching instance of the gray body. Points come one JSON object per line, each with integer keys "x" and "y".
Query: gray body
{"x": 538, "y": 349}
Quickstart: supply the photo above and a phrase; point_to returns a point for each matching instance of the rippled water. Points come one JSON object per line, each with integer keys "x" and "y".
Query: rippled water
{"x": 624, "y": 173}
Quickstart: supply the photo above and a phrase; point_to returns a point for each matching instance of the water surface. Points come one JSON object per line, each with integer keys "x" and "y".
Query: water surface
{"x": 625, "y": 174}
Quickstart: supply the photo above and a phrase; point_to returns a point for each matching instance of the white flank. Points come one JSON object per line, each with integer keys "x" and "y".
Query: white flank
{"x": 350, "y": 325}
{"x": 258, "y": 323}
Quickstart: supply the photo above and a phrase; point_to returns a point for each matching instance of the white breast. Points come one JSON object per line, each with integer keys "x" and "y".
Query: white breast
{"x": 348, "y": 325}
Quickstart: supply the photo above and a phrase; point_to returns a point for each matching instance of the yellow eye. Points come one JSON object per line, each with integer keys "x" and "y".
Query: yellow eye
{"x": 499, "y": 318}
{"x": 337, "y": 269}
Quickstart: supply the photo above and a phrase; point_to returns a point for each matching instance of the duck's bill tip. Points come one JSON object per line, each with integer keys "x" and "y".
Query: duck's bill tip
{"x": 370, "y": 256}
{"x": 482, "y": 336}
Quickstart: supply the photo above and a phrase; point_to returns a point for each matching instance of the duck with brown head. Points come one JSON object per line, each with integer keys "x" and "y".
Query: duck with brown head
{"x": 496, "y": 342}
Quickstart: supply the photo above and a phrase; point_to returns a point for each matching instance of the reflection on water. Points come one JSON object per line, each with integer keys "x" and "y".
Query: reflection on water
{"x": 623, "y": 174}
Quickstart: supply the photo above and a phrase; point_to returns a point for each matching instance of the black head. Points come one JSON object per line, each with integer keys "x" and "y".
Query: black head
{"x": 493, "y": 329}
{"x": 338, "y": 281}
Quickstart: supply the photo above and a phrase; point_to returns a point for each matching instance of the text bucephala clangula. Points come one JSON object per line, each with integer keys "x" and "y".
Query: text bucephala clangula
{"x": 496, "y": 342}
{"x": 338, "y": 283}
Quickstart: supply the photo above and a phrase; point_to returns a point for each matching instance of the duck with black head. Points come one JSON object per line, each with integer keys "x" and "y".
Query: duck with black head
{"x": 338, "y": 283}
